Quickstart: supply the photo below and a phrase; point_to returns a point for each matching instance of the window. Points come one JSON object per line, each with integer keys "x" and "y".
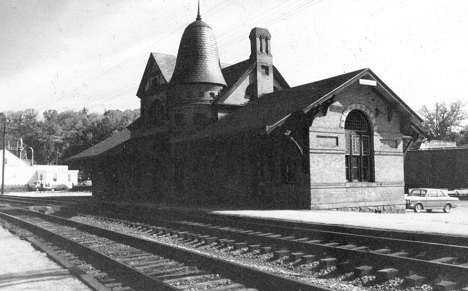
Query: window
{"x": 41, "y": 177}
{"x": 55, "y": 178}
{"x": 69, "y": 177}
{"x": 266, "y": 70}
{"x": 432, "y": 193}
{"x": 359, "y": 155}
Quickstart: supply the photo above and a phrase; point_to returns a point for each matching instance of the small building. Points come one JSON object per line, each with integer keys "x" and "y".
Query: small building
{"x": 238, "y": 134}
{"x": 18, "y": 173}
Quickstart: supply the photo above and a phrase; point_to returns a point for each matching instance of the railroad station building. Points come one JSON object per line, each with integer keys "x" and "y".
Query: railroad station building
{"x": 239, "y": 135}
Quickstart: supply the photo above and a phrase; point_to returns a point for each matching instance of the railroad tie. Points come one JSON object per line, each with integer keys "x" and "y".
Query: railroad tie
{"x": 344, "y": 267}
{"x": 328, "y": 262}
{"x": 444, "y": 286}
{"x": 279, "y": 254}
{"x": 307, "y": 259}
{"x": 210, "y": 240}
{"x": 414, "y": 280}
{"x": 122, "y": 289}
{"x": 348, "y": 246}
{"x": 331, "y": 244}
{"x": 313, "y": 242}
{"x": 239, "y": 245}
{"x": 362, "y": 271}
{"x": 252, "y": 248}
{"x": 382, "y": 251}
{"x": 302, "y": 239}
{"x": 386, "y": 274}
{"x": 295, "y": 256}
{"x": 262, "y": 234}
{"x": 265, "y": 250}
{"x": 400, "y": 254}
{"x": 288, "y": 238}
{"x": 181, "y": 275}
{"x": 445, "y": 260}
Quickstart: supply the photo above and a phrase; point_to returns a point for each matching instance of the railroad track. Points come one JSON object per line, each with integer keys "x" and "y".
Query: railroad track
{"x": 147, "y": 262}
{"x": 315, "y": 254}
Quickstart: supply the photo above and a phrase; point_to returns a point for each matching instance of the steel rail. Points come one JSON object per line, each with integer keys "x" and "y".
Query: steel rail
{"x": 239, "y": 273}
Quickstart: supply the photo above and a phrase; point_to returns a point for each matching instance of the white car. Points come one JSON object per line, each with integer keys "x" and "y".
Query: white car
{"x": 429, "y": 199}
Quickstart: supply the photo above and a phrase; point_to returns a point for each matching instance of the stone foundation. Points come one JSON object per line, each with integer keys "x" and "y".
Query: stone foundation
{"x": 375, "y": 209}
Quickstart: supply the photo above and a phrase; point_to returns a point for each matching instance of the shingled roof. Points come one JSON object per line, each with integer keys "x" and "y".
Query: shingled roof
{"x": 272, "y": 109}
{"x": 166, "y": 64}
{"x": 102, "y": 147}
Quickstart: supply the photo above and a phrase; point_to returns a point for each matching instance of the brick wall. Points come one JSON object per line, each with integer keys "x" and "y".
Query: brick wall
{"x": 329, "y": 187}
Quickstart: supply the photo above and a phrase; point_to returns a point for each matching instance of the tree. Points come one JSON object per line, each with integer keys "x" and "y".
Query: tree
{"x": 444, "y": 122}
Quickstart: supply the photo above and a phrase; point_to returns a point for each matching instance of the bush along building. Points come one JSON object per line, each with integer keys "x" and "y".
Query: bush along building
{"x": 238, "y": 135}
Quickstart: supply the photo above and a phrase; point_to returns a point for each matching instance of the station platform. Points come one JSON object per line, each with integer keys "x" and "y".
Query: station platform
{"x": 453, "y": 223}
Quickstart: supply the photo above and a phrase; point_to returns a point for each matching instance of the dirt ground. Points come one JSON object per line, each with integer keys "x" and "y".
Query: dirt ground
{"x": 454, "y": 223}
{"x": 24, "y": 268}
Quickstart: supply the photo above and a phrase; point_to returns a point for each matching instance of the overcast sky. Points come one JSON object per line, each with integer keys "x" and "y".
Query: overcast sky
{"x": 71, "y": 54}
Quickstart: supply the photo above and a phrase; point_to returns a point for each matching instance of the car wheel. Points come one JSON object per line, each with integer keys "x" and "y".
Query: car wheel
{"x": 447, "y": 208}
{"x": 418, "y": 208}
{"x": 429, "y": 210}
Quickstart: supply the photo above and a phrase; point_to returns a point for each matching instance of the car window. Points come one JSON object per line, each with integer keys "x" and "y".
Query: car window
{"x": 417, "y": 192}
{"x": 441, "y": 193}
{"x": 433, "y": 193}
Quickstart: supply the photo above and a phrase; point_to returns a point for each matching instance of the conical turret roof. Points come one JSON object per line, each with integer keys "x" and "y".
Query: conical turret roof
{"x": 198, "y": 58}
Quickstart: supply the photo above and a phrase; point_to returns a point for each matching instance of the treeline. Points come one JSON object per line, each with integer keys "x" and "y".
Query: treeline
{"x": 56, "y": 136}
{"x": 446, "y": 122}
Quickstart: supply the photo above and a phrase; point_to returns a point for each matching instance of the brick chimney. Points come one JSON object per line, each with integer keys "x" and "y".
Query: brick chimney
{"x": 260, "y": 46}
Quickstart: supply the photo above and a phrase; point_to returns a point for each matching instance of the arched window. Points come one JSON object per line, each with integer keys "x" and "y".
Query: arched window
{"x": 359, "y": 154}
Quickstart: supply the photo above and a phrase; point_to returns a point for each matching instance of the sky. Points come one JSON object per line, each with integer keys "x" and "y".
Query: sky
{"x": 75, "y": 54}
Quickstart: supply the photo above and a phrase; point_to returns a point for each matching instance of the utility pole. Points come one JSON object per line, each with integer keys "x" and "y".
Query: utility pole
{"x": 32, "y": 156}
{"x": 3, "y": 158}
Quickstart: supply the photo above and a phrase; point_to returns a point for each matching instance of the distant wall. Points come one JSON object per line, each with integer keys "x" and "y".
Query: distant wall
{"x": 437, "y": 168}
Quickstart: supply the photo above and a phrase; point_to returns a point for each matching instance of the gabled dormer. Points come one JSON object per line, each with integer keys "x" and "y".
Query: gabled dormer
{"x": 152, "y": 92}
{"x": 157, "y": 74}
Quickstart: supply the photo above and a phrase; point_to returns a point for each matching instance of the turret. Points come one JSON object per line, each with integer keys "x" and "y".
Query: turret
{"x": 197, "y": 77}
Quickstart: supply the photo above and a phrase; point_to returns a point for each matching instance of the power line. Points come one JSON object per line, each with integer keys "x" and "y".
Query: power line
{"x": 211, "y": 10}
{"x": 228, "y": 39}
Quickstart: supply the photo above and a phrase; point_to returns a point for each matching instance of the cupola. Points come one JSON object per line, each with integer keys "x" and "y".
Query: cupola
{"x": 198, "y": 58}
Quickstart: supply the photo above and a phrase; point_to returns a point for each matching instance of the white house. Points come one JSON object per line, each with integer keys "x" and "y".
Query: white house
{"x": 19, "y": 173}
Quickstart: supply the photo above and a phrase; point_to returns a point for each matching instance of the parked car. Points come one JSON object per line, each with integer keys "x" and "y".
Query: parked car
{"x": 36, "y": 186}
{"x": 429, "y": 199}
{"x": 60, "y": 187}
{"x": 83, "y": 186}
{"x": 458, "y": 193}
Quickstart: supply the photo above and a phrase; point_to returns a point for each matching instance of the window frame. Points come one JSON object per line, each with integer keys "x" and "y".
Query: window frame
{"x": 359, "y": 154}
